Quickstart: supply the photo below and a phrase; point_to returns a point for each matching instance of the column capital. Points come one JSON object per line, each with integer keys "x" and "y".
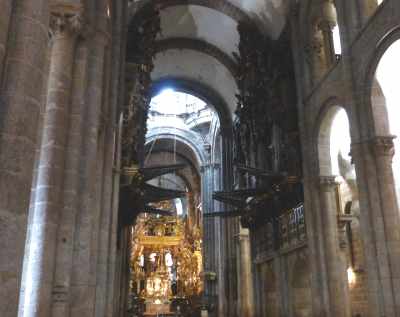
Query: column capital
{"x": 207, "y": 166}
{"x": 66, "y": 20}
{"x": 326, "y": 25}
{"x": 382, "y": 145}
{"x": 379, "y": 145}
{"x": 329, "y": 15}
{"x": 327, "y": 182}
{"x": 243, "y": 237}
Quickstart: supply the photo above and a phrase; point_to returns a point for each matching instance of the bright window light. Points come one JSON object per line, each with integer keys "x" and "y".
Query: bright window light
{"x": 336, "y": 40}
{"x": 179, "y": 207}
{"x": 171, "y": 108}
{"x": 173, "y": 102}
{"x": 340, "y": 140}
{"x": 388, "y": 77}
{"x": 351, "y": 276}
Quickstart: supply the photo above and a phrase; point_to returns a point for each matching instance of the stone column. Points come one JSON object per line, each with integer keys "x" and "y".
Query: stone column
{"x": 5, "y": 17}
{"x": 20, "y": 100}
{"x": 113, "y": 281}
{"x": 326, "y": 25}
{"x": 105, "y": 198}
{"x": 245, "y": 276}
{"x": 73, "y": 155}
{"x": 209, "y": 239}
{"x": 383, "y": 151}
{"x": 118, "y": 18}
{"x": 48, "y": 198}
{"x": 229, "y": 228}
{"x": 339, "y": 299}
{"x": 315, "y": 55}
{"x": 381, "y": 294}
{"x": 83, "y": 280}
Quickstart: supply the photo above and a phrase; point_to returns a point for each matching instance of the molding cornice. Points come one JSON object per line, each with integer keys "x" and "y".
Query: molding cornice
{"x": 327, "y": 183}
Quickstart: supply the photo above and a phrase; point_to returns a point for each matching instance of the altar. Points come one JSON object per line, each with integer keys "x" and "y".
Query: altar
{"x": 153, "y": 309}
{"x": 166, "y": 265}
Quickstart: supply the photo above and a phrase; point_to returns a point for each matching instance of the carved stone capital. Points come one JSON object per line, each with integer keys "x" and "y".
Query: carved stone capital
{"x": 329, "y": 13}
{"x": 243, "y": 237}
{"x": 327, "y": 183}
{"x": 66, "y": 21}
{"x": 383, "y": 145}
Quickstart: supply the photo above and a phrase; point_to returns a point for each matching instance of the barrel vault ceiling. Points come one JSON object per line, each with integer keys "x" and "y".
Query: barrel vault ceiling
{"x": 198, "y": 38}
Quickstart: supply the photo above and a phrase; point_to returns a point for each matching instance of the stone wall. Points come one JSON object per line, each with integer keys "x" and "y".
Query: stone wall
{"x": 283, "y": 285}
{"x": 366, "y": 32}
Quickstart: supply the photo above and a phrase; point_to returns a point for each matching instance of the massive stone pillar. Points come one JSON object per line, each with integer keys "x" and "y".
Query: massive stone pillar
{"x": 69, "y": 209}
{"x": 209, "y": 239}
{"x": 118, "y": 50}
{"x": 48, "y": 199}
{"x": 228, "y": 230}
{"x": 105, "y": 197}
{"x": 21, "y": 92}
{"x": 85, "y": 253}
{"x": 339, "y": 299}
{"x": 383, "y": 149}
{"x": 245, "y": 278}
{"x": 379, "y": 222}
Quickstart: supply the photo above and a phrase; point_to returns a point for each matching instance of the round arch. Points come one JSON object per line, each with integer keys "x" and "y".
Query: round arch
{"x": 373, "y": 99}
{"x": 381, "y": 100}
{"x": 322, "y": 134}
{"x": 184, "y": 140}
{"x": 189, "y": 175}
{"x": 200, "y": 91}
{"x": 334, "y": 162}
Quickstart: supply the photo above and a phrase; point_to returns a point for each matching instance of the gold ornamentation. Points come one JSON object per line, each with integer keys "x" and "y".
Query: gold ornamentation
{"x": 166, "y": 258}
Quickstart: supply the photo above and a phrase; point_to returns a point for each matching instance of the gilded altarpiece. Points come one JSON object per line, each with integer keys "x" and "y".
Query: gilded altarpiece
{"x": 166, "y": 264}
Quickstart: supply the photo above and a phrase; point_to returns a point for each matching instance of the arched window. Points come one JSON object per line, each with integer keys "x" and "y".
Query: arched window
{"x": 324, "y": 39}
{"x": 179, "y": 207}
{"x": 336, "y": 40}
{"x": 331, "y": 32}
{"x": 335, "y": 160}
{"x": 340, "y": 141}
{"x": 386, "y": 94}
